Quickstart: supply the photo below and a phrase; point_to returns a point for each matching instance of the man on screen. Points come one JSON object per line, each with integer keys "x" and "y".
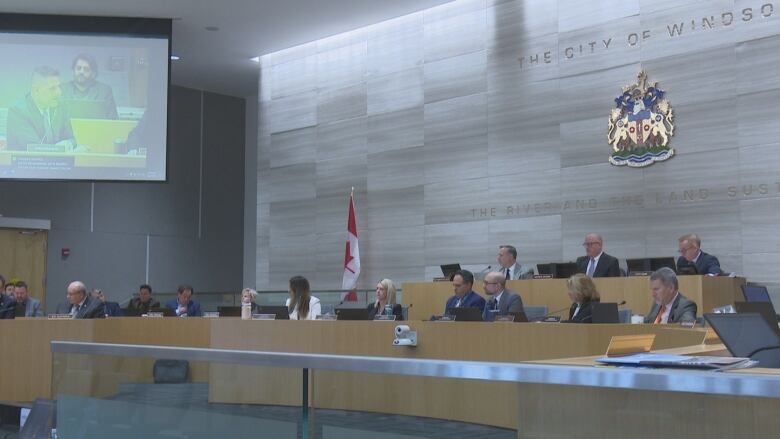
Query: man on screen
{"x": 39, "y": 118}
{"x": 87, "y": 97}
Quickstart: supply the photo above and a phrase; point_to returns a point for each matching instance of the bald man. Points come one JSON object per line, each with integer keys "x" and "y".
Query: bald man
{"x": 502, "y": 301}
{"x": 596, "y": 263}
{"x": 80, "y": 305}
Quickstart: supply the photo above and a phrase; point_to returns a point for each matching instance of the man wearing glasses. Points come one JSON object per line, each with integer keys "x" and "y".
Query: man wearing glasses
{"x": 596, "y": 263}
{"x": 502, "y": 301}
{"x": 691, "y": 257}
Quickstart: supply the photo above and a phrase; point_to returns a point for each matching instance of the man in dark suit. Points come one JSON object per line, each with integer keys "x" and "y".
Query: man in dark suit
{"x": 39, "y": 117}
{"x": 596, "y": 263}
{"x": 670, "y": 305}
{"x": 502, "y": 301}
{"x": 183, "y": 303}
{"x": 80, "y": 305}
{"x": 26, "y": 306}
{"x": 144, "y": 302}
{"x": 691, "y": 256}
{"x": 465, "y": 297}
{"x": 112, "y": 308}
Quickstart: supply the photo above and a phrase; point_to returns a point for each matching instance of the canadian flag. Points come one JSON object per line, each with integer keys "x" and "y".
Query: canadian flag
{"x": 351, "y": 256}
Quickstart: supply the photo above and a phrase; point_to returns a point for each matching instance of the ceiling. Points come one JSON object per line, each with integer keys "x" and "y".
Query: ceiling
{"x": 219, "y": 61}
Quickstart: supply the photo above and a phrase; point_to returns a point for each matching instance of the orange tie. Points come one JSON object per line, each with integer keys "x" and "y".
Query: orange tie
{"x": 660, "y": 314}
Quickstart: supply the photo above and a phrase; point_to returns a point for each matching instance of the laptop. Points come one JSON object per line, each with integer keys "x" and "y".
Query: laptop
{"x": 764, "y": 309}
{"x": 352, "y": 314}
{"x": 745, "y": 335}
{"x": 101, "y": 135}
{"x": 131, "y": 312}
{"x": 604, "y": 313}
{"x": 281, "y": 312}
{"x": 649, "y": 264}
{"x": 449, "y": 270}
{"x": 466, "y": 314}
{"x": 544, "y": 269}
{"x": 683, "y": 270}
{"x": 755, "y": 293}
{"x": 229, "y": 311}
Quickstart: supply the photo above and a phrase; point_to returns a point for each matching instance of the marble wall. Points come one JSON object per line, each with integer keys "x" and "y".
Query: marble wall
{"x": 483, "y": 122}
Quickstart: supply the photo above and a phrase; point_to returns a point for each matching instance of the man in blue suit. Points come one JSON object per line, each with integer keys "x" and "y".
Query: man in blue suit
{"x": 465, "y": 297}
{"x": 691, "y": 256}
{"x": 112, "y": 308}
{"x": 26, "y": 306}
{"x": 183, "y": 304}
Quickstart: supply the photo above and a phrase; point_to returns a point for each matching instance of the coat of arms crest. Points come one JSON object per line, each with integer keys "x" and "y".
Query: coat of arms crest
{"x": 640, "y": 125}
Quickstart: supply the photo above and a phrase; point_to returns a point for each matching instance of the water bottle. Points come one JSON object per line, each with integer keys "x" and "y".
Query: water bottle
{"x": 388, "y": 309}
{"x": 246, "y": 311}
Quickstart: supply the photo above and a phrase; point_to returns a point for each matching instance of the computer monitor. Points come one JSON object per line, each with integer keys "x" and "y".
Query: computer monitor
{"x": 604, "y": 312}
{"x": 281, "y": 312}
{"x": 352, "y": 314}
{"x": 564, "y": 270}
{"x": 743, "y": 334}
{"x": 755, "y": 293}
{"x": 449, "y": 270}
{"x": 229, "y": 311}
{"x": 684, "y": 270}
{"x": 649, "y": 264}
{"x": 166, "y": 312}
{"x": 764, "y": 309}
{"x": 466, "y": 314}
{"x": 544, "y": 269}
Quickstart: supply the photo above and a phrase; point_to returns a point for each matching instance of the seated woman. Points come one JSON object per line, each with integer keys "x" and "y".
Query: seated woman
{"x": 582, "y": 292}
{"x": 249, "y": 295}
{"x": 301, "y": 304}
{"x": 385, "y": 295}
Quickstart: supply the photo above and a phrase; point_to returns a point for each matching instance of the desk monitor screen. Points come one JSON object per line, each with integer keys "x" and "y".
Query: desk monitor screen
{"x": 107, "y": 116}
{"x": 649, "y": 264}
{"x": 764, "y": 309}
{"x": 544, "y": 268}
{"x": 743, "y": 334}
{"x": 166, "y": 312}
{"x": 687, "y": 270}
{"x": 352, "y": 314}
{"x": 466, "y": 314}
{"x": 281, "y": 312}
{"x": 131, "y": 312}
{"x": 605, "y": 313}
{"x": 564, "y": 270}
{"x": 229, "y": 311}
{"x": 449, "y": 270}
{"x": 756, "y": 293}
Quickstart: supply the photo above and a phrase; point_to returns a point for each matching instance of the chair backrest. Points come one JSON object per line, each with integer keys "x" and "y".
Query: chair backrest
{"x": 535, "y": 312}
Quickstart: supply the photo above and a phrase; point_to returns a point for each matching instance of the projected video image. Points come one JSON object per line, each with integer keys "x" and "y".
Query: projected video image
{"x": 83, "y": 107}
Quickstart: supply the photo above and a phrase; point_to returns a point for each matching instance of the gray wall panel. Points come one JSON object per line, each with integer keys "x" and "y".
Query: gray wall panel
{"x": 293, "y": 147}
{"x": 483, "y": 127}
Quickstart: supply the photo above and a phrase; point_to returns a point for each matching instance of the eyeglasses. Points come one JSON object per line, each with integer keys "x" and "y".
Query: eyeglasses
{"x": 490, "y": 283}
{"x": 683, "y": 250}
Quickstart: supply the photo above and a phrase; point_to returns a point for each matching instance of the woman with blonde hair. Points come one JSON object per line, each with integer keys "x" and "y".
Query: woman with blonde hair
{"x": 583, "y": 293}
{"x": 249, "y": 295}
{"x": 301, "y": 304}
{"x": 385, "y": 295}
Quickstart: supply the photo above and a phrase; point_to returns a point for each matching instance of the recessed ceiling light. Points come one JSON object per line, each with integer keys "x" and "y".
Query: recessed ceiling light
{"x": 212, "y": 28}
{"x": 175, "y": 57}
{"x": 255, "y": 59}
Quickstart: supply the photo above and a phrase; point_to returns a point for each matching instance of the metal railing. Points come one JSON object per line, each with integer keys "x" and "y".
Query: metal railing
{"x": 685, "y": 381}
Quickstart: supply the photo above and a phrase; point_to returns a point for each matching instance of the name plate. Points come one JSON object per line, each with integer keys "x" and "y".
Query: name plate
{"x": 154, "y": 315}
{"x": 543, "y": 276}
{"x": 211, "y": 314}
{"x": 551, "y": 319}
{"x": 630, "y": 344}
{"x": 60, "y": 316}
{"x": 505, "y": 318}
{"x": 326, "y": 317}
{"x": 639, "y": 273}
{"x": 691, "y": 324}
{"x": 384, "y": 317}
{"x": 263, "y": 316}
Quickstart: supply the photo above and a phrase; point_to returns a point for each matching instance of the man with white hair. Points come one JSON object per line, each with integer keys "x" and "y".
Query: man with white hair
{"x": 596, "y": 263}
{"x": 80, "y": 305}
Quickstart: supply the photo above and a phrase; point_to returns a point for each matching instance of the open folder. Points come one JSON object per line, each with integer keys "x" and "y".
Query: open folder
{"x": 649, "y": 359}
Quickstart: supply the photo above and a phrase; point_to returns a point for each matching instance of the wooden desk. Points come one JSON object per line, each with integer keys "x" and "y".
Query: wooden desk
{"x": 428, "y": 298}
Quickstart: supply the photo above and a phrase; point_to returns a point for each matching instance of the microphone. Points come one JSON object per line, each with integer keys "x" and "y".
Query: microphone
{"x": 485, "y": 270}
{"x": 621, "y": 303}
{"x": 553, "y": 312}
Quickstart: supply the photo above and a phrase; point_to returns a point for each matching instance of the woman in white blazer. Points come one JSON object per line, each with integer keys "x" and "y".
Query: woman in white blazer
{"x": 301, "y": 304}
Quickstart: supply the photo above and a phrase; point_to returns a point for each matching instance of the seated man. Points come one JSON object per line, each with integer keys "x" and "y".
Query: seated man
{"x": 26, "y": 306}
{"x": 144, "y": 301}
{"x": 670, "y": 305}
{"x": 465, "y": 297}
{"x": 507, "y": 259}
{"x": 596, "y": 263}
{"x": 7, "y": 304}
{"x": 183, "y": 304}
{"x": 80, "y": 305}
{"x": 692, "y": 256}
{"x": 112, "y": 308}
{"x": 502, "y": 301}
